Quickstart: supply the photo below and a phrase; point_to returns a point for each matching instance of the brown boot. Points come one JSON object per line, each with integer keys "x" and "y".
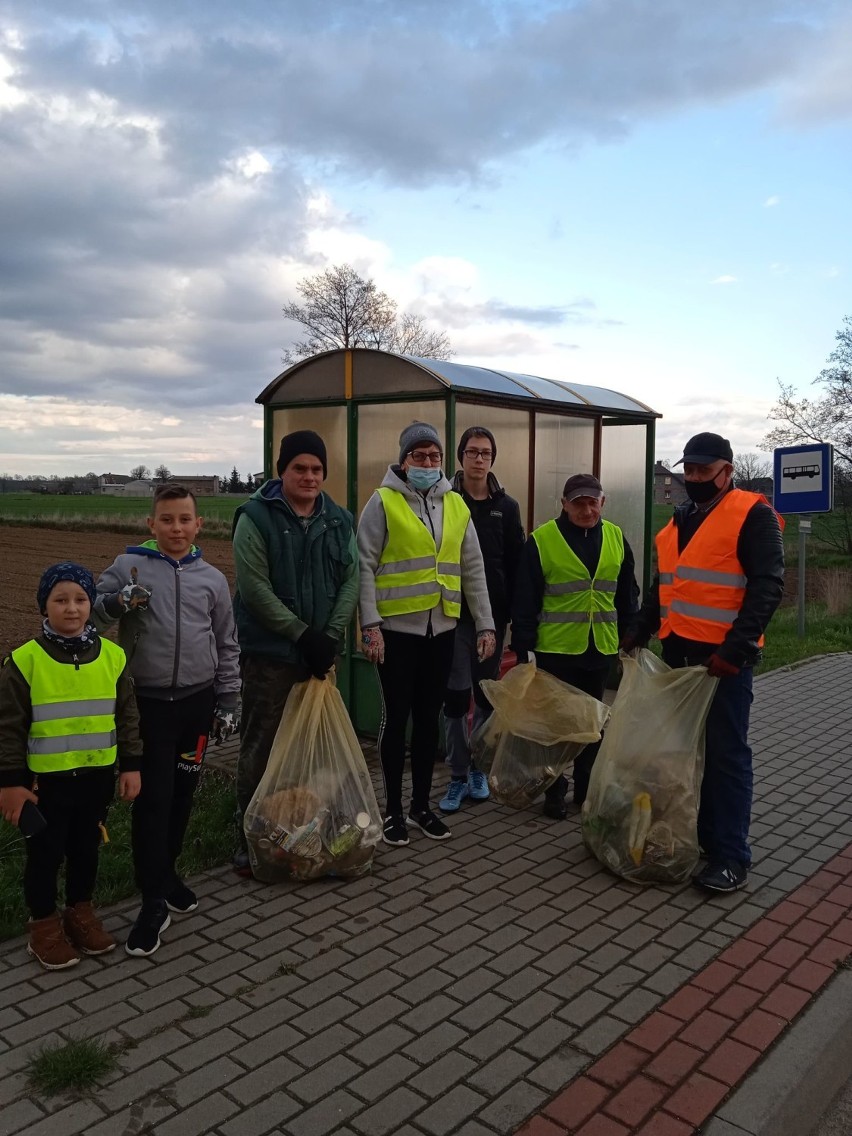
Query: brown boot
{"x": 85, "y": 930}
{"x": 49, "y": 945}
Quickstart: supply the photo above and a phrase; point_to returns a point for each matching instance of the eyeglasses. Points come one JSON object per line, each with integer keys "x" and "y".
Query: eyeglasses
{"x": 421, "y": 458}
{"x": 472, "y": 455}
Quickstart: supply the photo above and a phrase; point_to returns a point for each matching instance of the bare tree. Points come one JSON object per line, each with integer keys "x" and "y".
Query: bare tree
{"x": 162, "y": 473}
{"x": 751, "y": 472}
{"x": 824, "y": 419}
{"x": 140, "y": 473}
{"x": 342, "y": 309}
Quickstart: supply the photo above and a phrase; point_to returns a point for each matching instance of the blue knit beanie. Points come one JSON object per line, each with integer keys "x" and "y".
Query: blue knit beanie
{"x": 66, "y": 571}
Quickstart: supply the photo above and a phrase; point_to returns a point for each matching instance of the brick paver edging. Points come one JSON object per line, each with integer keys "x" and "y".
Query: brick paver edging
{"x": 673, "y": 1070}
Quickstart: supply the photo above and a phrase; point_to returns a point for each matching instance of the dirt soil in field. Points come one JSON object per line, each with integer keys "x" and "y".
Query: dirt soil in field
{"x": 26, "y": 552}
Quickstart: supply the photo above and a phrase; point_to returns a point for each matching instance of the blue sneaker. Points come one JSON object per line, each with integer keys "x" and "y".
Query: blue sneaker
{"x": 457, "y": 791}
{"x": 477, "y": 786}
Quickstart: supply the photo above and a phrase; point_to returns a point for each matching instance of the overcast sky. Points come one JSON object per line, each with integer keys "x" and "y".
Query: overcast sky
{"x": 650, "y": 195}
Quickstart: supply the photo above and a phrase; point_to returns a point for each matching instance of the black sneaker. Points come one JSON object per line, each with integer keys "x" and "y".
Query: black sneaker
{"x": 394, "y": 831}
{"x": 144, "y": 937}
{"x": 182, "y": 900}
{"x": 427, "y": 822}
{"x": 726, "y": 876}
{"x": 555, "y": 808}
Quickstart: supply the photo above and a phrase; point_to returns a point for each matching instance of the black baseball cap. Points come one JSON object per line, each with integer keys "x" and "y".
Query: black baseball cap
{"x": 706, "y": 448}
{"x": 582, "y": 485}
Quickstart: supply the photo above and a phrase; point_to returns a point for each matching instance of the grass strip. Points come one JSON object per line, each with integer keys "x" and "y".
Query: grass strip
{"x": 210, "y": 841}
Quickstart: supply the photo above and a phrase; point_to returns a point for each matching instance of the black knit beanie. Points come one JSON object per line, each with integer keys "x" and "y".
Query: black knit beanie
{"x": 301, "y": 442}
{"x": 476, "y": 432}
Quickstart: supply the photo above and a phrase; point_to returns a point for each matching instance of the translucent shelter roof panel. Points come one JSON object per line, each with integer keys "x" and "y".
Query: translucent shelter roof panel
{"x": 492, "y": 381}
{"x": 473, "y": 378}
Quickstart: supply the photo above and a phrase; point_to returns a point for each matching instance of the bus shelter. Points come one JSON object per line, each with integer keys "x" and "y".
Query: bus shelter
{"x": 359, "y": 400}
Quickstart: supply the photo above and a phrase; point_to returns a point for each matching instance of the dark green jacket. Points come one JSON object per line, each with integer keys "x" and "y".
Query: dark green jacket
{"x": 292, "y": 573}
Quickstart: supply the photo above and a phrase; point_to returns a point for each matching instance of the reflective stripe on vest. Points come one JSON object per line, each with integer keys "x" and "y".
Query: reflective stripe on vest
{"x": 573, "y": 600}
{"x": 703, "y": 587}
{"x": 73, "y": 709}
{"x": 414, "y": 575}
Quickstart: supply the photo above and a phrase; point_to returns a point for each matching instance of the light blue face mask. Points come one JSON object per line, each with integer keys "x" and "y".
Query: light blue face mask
{"x": 420, "y": 477}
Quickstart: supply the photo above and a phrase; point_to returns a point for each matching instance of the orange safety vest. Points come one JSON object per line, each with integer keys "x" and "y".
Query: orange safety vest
{"x": 702, "y": 588}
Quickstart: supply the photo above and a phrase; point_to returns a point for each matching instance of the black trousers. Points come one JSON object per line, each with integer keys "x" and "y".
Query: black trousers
{"x": 590, "y": 681}
{"x": 413, "y": 678}
{"x": 73, "y": 806}
{"x": 174, "y": 742}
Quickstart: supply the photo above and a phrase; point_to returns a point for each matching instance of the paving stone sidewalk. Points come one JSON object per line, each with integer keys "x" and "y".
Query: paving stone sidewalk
{"x": 463, "y": 989}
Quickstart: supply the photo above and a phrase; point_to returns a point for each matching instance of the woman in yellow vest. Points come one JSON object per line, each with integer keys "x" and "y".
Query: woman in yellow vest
{"x": 720, "y": 577}
{"x": 69, "y": 712}
{"x": 576, "y": 591}
{"x": 419, "y": 553}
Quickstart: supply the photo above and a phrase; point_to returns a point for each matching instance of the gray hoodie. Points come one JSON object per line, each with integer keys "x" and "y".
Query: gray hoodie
{"x": 186, "y": 640}
{"x": 372, "y": 538}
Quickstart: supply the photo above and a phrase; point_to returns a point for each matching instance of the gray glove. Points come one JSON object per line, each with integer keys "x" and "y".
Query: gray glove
{"x": 226, "y": 723}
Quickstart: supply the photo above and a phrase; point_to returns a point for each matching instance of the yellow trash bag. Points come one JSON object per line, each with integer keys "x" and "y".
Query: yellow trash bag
{"x": 314, "y": 812}
{"x": 640, "y": 817}
{"x": 538, "y": 727}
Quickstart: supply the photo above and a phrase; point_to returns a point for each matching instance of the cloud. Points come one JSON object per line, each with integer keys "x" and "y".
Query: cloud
{"x": 724, "y": 280}
{"x": 772, "y": 201}
{"x": 167, "y": 172}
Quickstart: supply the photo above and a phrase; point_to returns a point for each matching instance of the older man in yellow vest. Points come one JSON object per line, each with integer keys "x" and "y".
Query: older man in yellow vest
{"x": 419, "y": 553}
{"x": 576, "y": 592}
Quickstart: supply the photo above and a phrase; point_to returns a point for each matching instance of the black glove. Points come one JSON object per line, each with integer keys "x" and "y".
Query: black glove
{"x": 318, "y": 651}
{"x": 522, "y": 655}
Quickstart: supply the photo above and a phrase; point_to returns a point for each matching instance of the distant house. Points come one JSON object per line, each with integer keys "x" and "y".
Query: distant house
{"x": 124, "y": 488}
{"x": 201, "y": 486}
{"x": 668, "y": 486}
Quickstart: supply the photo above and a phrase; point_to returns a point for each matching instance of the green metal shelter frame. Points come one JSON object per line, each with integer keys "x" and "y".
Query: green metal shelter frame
{"x": 546, "y": 429}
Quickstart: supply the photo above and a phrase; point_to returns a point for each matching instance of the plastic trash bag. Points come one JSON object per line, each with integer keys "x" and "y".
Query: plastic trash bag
{"x": 538, "y": 727}
{"x": 314, "y": 812}
{"x": 640, "y": 817}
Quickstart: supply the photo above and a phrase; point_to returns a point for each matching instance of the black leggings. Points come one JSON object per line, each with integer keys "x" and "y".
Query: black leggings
{"x": 73, "y": 806}
{"x": 174, "y": 742}
{"x": 414, "y": 678}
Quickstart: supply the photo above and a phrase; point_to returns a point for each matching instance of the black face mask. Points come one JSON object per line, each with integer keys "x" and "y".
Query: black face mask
{"x": 702, "y": 492}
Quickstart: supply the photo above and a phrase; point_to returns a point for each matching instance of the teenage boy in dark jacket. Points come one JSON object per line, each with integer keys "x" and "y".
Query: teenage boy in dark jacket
{"x": 497, "y": 520}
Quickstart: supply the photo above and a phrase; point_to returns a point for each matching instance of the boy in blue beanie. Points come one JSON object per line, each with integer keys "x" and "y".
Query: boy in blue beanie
{"x": 69, "y": 713}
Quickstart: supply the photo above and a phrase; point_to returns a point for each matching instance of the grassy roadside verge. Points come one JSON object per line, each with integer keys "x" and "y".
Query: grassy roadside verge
{"x": 210, "y": 841}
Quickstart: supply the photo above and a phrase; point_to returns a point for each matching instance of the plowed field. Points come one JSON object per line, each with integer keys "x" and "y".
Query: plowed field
{"x": 26, "y": 552}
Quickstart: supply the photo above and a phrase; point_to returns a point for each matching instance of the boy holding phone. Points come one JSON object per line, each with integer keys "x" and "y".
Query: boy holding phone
{"x": 69, "y": 714}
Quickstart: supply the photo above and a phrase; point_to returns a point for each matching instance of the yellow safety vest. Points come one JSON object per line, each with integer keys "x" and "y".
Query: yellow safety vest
{"x": 413, "y": 575}
{"x": 73, "y": 710}
{"x": 574, "y": 600}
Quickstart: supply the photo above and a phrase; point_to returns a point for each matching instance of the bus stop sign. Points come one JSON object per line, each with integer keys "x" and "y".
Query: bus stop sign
{"x": 804, "y": 478}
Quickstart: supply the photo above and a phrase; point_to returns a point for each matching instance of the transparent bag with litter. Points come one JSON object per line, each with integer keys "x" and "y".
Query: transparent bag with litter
{"x": 314, "y": 812}
{"x": 640, "y": 817}
{"x": 538, "y": 728}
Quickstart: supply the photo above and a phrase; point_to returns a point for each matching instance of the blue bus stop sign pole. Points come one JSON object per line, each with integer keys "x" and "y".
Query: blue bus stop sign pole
{"x": 804, "y": 484}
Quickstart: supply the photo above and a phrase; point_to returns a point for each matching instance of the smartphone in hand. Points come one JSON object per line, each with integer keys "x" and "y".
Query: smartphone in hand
{"x": 31, "y": 821}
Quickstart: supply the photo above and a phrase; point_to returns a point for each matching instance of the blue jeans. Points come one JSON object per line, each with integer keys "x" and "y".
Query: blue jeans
{"x": 725, "y": 812}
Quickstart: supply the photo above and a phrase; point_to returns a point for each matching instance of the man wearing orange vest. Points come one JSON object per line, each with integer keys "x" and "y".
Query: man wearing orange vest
{"x": 720, "y": 577}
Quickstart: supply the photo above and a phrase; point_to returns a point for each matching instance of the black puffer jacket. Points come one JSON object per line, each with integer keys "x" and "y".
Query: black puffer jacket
{"x": 760, "y": 550}
{"x": 497, "y": 521}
